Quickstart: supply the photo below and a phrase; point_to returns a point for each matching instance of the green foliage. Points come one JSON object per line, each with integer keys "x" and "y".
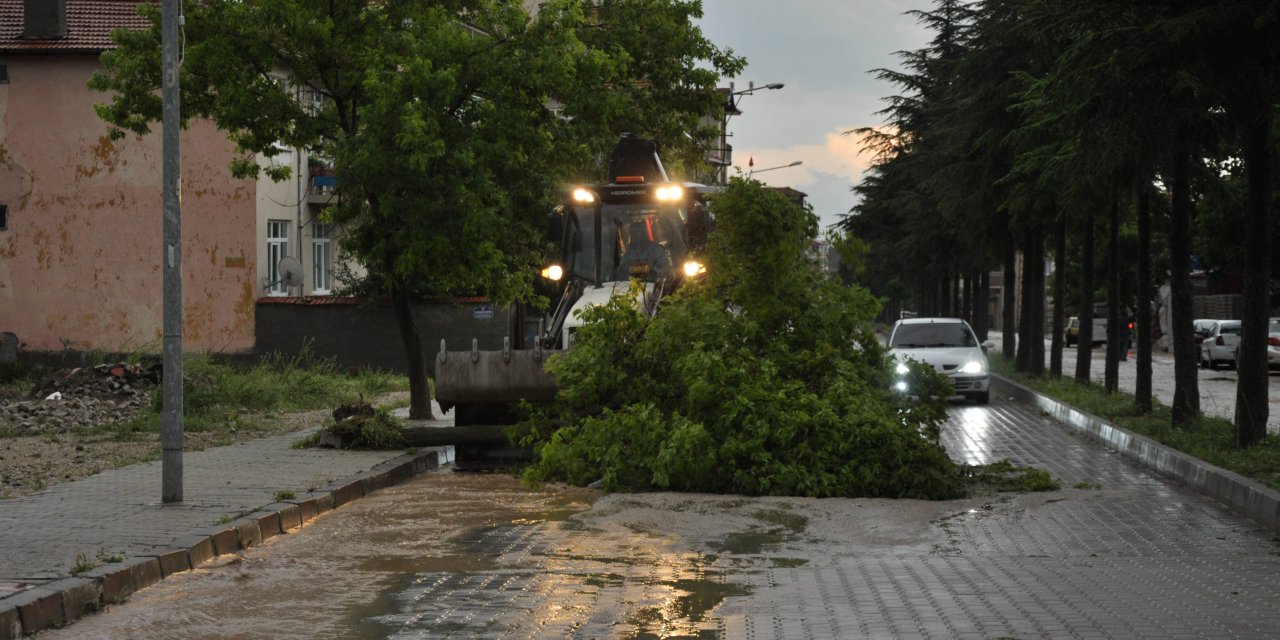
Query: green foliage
{"x": 378, "y": 431}
{"x": 284, "y": 495}
{"x": 1004, "y": 476}
{"x": 221, "y": 395}
{"x": 759, "y": 381}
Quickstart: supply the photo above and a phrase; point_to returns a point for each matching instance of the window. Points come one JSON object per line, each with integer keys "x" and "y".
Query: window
{"x": 4, "y": 217}
{"x": 277, "y": 248}
{"x": 321, "y": 258}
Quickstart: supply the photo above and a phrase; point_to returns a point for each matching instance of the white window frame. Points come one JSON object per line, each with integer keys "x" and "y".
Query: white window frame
{"x": 277, "y": 248}
{"x": 321, "y": 258}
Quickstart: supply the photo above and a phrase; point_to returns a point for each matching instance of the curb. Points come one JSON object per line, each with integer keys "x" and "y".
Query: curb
{"x": 1245, "y": 496}
{"x": 64, "y": 601}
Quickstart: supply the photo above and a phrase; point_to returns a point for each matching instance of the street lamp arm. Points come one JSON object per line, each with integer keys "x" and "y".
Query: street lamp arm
{"x": 784, "y": 166}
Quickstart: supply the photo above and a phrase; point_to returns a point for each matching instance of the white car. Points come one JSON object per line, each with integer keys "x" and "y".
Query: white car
{"x": 950, "y": 347}
{"x": 1219, "y": 346}
{"x": 1273, "y": 343}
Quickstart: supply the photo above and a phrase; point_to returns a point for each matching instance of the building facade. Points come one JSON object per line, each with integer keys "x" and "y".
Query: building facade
{"x": 80, "y": 232}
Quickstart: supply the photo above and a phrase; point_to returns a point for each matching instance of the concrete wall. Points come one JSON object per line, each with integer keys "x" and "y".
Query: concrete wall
{"x": 365, "y": 335}
{"x": 80, "y": 261}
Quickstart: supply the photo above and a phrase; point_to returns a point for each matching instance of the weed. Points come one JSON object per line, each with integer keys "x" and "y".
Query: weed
{"x": 281, "y": 496}
{"x": 83, "y": 563}
{"x": 225, "y": 519}
{"x": 1087, "y": 485}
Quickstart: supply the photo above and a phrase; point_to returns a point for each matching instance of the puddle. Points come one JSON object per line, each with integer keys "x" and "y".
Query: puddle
{"x": 685, "y": 614}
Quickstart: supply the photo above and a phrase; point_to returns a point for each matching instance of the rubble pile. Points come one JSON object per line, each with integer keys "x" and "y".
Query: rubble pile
{"x": 81, "y": 398}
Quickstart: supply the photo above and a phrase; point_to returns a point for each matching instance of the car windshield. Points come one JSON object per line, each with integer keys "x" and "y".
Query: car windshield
{"x": 933, "y": 335}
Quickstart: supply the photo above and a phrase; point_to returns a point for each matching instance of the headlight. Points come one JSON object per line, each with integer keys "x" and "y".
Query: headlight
{"x": 973, "y": 366}
{"x": 670, "y": 193}
{"x": 902, "y": 369}
{"x": 583, "y": 196}
{"x": 553, "y": 273}
{"x": 693, "y": 268}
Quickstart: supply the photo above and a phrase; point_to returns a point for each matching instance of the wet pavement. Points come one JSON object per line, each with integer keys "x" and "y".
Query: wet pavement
{"x": 1217, "y": 386}
{"x": 1118, "y": 552}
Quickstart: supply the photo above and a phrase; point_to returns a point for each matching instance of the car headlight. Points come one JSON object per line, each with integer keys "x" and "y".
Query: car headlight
{"x": 902, "y": 369}
{"x": 973, "y": 366}
{"x": 553, "y": 273}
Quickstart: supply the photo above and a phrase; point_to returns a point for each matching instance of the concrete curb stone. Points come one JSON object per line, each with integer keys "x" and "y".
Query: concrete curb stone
{"x": 39, "y": 609}
{"x": 10, "y": 621}
{"x": 120, "y": 580}
{"x": 172, "y": 560}
{"x": 200, "y": 549}
{"x": 80, "y": 597}
{"x": 1247, "y": 497}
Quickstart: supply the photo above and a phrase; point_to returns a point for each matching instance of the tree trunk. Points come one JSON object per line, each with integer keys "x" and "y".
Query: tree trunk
{"x": 1059, "y": 295}
{"x": 966, "y": 309}
{"x": 1111, "y": 367}
{"x": 1084, "y": 339}
{"x": 1186, "y": 390}
{"x": 982, "y": 306}
{"x": 1026, "y": 314}
{"x": 419, "y": 390}
{"x": 1009, "y": 309}
{"x": 1142, "y": 326}
{"x": 1036, "y": 300}
{"x": 1251, "y": 364}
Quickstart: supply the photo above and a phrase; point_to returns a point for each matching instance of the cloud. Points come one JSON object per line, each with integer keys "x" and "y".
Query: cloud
{"x": 840, "y": 156}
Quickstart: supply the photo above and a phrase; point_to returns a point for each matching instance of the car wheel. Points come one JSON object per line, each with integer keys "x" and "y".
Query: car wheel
{"x": 981, "y": 398}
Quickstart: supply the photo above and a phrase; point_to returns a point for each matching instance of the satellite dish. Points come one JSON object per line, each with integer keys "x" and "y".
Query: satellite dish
{"x": 290, "y": 271}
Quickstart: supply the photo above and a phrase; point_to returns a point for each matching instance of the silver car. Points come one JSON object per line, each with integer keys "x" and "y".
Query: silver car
{"x": 950, "y": 347}
{"x": 1220, "y": 345}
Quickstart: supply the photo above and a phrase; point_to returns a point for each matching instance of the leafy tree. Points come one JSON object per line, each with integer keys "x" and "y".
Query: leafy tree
{"x": 437, "y": 117}
{"x": 754, "y": 381}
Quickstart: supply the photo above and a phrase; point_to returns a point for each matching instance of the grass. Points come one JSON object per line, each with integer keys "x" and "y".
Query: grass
{"x": 1210, "y": 439}
{"x": 224, "y": 396}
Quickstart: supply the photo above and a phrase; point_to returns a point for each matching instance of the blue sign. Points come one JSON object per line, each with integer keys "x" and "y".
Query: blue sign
{"x": 482, "y": 312}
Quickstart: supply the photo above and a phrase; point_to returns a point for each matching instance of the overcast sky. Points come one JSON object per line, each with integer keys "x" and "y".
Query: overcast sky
{"x": 822, "y": 50}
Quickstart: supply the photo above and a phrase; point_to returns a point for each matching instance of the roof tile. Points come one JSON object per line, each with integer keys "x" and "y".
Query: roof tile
{"x": 89, "y": 25}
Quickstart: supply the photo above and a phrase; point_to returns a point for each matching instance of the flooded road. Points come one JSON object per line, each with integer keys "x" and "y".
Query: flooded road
{"x": 1117, "y": 552}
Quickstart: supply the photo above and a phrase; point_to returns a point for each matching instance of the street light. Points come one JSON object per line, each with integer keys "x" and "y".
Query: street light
{"x": 732, "y": 98}
{"x": 784, "y": 166}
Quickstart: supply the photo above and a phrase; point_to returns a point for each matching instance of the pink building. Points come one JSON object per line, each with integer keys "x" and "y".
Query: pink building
{"x": 80, "y": 215}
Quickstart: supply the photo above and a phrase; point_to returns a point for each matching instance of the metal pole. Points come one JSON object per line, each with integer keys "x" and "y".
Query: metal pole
{"x": 171, "y": 440}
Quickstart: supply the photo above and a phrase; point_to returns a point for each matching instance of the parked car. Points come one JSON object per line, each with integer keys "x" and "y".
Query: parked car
{"x": 1273, "y": 343}
{"x": 950, "y": 347}
{"x": 1099, "y": 326}
{"x": 1219, "y": 347}
{"x": 1073, "y": 331}
{"x": 1202, "y": 327}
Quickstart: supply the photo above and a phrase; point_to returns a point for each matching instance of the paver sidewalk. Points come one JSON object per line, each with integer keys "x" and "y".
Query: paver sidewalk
{"x": 118, "y": 514}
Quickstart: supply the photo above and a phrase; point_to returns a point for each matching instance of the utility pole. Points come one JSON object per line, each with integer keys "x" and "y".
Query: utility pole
{"x": 171, "y": 439}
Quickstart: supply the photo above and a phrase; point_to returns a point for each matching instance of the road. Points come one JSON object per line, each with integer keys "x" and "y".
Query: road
{"x": 1116, "y": 552}
{"x": 1217, "y": 386}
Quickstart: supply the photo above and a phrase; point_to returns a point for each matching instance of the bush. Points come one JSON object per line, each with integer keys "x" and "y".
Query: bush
{"x": 757, "y": 381}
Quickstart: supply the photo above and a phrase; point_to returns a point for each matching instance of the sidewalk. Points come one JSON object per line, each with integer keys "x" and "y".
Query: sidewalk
{"x": 1217, "y": 387}
{"x": 234, "y": 497}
